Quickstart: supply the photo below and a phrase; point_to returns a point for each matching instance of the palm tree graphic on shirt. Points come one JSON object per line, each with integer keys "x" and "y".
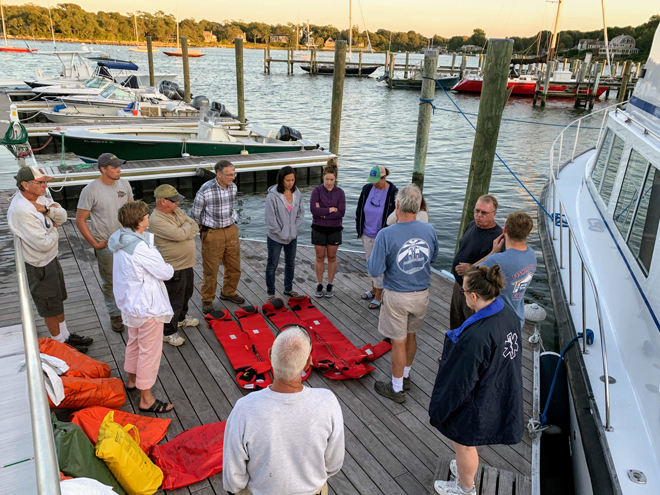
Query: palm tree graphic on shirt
{"x": 413, "y": 255}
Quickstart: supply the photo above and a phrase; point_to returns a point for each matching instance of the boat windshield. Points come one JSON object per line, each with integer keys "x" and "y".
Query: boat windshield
{"x": 117, "y": 93}
{"x": 96, "y": 82}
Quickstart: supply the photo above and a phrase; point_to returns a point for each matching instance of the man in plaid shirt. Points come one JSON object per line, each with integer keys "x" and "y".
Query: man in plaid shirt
{"x": 213, "y": 210}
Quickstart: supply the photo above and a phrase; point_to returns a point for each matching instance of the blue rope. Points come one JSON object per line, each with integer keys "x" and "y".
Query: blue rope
{"x": 500, "y": 158}
{"x": 590, "y": 340}
{"x": 429, "y": 101}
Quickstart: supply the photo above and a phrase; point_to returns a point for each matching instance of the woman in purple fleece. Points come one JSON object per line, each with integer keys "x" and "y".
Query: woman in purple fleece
{"x": 328, "y": 205}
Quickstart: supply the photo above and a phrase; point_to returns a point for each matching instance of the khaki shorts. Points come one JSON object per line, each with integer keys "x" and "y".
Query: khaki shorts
{"x": 323, "y": 491}
{"x": 402, "y": 313}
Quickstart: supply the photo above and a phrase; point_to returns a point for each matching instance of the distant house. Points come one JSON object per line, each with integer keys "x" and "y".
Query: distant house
{"x": 209, "y": 37}
{"x": 589, "y": 44}
{"x": 471, "y": 48}
{"x": 620, "y": 46}
{"x": 279, "y": 38}
{"x": 442, "y": 49}
{"x": 329, "y": 43}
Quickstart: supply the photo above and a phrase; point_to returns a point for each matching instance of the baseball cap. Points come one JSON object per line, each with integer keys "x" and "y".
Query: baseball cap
{"x": 377, "y": 172}
{"x": 26, "y": 174}
{"x": 108, "y": 159}
{"x": 165, "y": 191}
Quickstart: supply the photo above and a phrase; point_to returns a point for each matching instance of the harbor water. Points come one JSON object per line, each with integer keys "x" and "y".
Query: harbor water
{"x": 378, "y": 126}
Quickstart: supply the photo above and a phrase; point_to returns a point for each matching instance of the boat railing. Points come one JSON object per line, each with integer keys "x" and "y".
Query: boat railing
{"x": 45, "y": 456}
{"x": 562, "y": 152}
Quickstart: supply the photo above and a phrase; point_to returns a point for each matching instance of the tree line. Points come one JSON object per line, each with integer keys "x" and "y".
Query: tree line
{"x": 70, "y": 22}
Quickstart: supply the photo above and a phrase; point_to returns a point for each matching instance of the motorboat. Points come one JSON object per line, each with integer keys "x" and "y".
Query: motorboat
{"x": 75, "y": 69}
{"x": 212, "y": 137}
{"x": 116, "y": 96}
{"x": 125, "y": 76}
{"x": 598, "y": 224}
{"x": 179, "y": 53}
{"x": 522, "y": 85}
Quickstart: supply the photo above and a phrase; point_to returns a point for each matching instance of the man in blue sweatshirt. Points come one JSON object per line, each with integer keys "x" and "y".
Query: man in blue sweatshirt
{"x": 403, "y": 254}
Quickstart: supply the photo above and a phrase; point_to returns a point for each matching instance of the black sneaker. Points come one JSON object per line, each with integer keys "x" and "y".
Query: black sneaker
{"x": 319, "y": 290}
{"x": 75, "y": 339}
{"x": 406, "y": 383}
{"x": 386, "y": 390}
{"x": 329, "y": 291}
{"x": 77, "y": 347}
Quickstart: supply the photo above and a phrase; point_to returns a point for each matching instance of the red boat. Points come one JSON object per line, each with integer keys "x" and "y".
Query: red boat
{"x": 521, "y": 87}
{"x": 191, "y": 53}
{"x": 14, "y": 49}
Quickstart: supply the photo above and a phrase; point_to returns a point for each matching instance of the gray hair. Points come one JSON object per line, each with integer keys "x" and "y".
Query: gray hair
{"x": 290, "y": 352}
{"x": 409, "y": 198}
{"x": 222, "y": 164}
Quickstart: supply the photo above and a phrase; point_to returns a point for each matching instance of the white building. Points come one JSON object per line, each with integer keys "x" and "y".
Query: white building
{"x": 620, "y": 46}
{"x": 589, "y": 44}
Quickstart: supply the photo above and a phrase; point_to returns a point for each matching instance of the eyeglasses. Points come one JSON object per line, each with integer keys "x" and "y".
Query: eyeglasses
{"x": 464, "y": 291}
{"x": 483, "y": 212}
{"x": 229, "y": 175}
{"x": 41, "y": 183}
{"x": 377, "y": 205}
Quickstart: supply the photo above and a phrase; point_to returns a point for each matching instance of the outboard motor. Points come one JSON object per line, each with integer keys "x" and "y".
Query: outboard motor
{"x": 200, "y": 102}
{"x": 171, "y": 90}
{"x": 219, "y": 109}
{"x": 288, "y": 134}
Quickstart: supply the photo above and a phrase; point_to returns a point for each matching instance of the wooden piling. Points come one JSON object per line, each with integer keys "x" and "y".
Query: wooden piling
{"x": 240, "y": 82}
{"x": 453, "y": 63}
{"x": 390, "y": 80}
{"x": 150, "y": 57}
{"x": 424, "y": 116}
{"x": 405, "y": 74}
{"x": 584, "y": 67}
{"x": 337, "y": 94}
{"x": 268, "y": 58}
{"x": 594, "y": 88}
{"x": 186, "y": 69}
{"x": 638, "y": 71}
{"x": 265, "y": 59}
{"x": 623, "y": 89}
{"x": 491, "y": 107}
{"x": 360, "y": 65}
{"x": 616, "y": 70}
{"x": 542, "y": 94}
{"x": 565, "y": 60}
{"x": 463, "y": 66}
{"x": 481, "y": 61}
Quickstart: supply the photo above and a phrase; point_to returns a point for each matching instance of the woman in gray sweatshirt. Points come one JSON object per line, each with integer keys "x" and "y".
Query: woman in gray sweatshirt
{"x": 284, "y": 216}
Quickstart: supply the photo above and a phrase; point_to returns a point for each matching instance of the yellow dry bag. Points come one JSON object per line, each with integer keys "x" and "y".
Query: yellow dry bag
{"x": 123, "y": 455}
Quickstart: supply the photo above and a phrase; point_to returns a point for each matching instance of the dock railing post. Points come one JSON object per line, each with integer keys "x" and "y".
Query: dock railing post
{"x": 186, "y": 69}
{"x": 150, "y": 56}
{"x": 240, "y": 81}
{"x": 391, "y": 78}
{"x": 621, "y": 97}
{"x": 491, "y": 106}
{"x": 360, "y": 65}
{"x": 405, "y": 74}
{"x": 339, "y": 71}
{"x": 424, "y": 116}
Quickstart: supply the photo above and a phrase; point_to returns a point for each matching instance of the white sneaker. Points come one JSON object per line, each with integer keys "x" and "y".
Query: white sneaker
{"x": 175, "y": 339}
{"x": 451, "y": 488}
{"x": 454, "y": 469}
{"x": 188, "y": 322}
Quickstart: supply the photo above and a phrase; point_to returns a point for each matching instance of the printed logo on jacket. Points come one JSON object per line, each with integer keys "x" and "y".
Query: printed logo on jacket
{"x": 413, "y": 256}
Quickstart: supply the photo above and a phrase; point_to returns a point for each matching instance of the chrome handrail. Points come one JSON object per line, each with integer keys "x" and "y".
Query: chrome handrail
{"x": 45, "y": 456}
{"x": 572, "y": 240}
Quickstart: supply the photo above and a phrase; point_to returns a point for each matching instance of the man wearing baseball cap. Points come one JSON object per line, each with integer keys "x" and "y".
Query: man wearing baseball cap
{"x": 34, "y": 217}
{"x": 99, "y": 202}
{"x": 174, "y": 235}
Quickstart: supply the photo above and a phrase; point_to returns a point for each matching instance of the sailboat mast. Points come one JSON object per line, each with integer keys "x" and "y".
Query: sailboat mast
{"x": 137, "y": 41}
{"x": 52, "y": 31}
{"x": 350, "y": 30}
{"x": 607, "y": 43}
{"x": 176, "y": 14}
{"x": 554, "y": 41}
{"x": 4, "y": 29}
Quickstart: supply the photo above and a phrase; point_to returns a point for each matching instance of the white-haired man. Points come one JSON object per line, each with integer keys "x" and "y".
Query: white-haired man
{"x": 286, "y": 438}
{"x": 403, "y": 253}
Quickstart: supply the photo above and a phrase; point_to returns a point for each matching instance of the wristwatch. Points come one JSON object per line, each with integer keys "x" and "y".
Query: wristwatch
{"x": 47, "y": 210}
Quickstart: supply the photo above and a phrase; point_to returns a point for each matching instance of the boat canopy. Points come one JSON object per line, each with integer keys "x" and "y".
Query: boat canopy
{"x": 119, "y": 65}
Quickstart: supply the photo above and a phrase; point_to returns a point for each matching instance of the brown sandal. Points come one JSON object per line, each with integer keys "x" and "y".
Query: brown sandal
{"x": 292, "y": 293}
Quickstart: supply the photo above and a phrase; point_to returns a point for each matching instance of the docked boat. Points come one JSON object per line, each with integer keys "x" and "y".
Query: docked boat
{"x": 179, "y": 53}
{"x": 351, "y": 69}
{"x": 599, "y": 238}
{"x": 74, "y": 70}
{"x": 149, "y": 142}
{"x": 118, "y": 97}
{"x": 524, "y": 85}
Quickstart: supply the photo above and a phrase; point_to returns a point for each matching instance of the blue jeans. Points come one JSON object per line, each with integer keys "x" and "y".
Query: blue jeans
{"x": 274, "y": 250}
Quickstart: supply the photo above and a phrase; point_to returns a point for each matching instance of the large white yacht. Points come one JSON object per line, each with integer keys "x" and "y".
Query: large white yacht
{"x": 599, "y": 237}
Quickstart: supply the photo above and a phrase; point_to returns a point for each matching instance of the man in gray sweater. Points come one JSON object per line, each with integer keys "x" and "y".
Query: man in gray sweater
{"x": 286, "y": 438}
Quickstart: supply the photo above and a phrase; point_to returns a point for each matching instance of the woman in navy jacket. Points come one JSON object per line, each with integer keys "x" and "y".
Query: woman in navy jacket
{"x": 478, "y": 394}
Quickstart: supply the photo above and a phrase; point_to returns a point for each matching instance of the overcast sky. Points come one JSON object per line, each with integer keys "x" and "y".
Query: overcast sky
{"x": 498, "y": 18}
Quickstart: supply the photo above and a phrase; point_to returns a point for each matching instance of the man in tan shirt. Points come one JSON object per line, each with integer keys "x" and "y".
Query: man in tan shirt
{"x": 174, "y": 234}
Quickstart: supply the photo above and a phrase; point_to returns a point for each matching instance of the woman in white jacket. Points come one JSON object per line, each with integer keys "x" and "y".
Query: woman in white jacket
{"x": 138, "y": 273}
{"x": 284, "y": 216}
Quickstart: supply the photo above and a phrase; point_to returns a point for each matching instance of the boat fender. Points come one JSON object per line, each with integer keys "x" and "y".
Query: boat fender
{"x": 288, "y": 134}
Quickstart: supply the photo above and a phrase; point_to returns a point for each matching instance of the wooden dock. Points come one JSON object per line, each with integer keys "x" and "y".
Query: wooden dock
{"x": 391, "y": 449}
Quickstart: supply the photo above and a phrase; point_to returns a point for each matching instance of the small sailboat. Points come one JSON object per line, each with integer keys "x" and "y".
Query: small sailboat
{"x": 8, "y": 48}
{"x": 178, "y": 52}
{"x": 137, "y": 39}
